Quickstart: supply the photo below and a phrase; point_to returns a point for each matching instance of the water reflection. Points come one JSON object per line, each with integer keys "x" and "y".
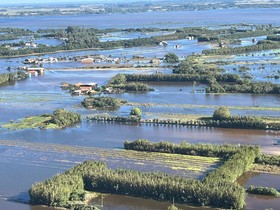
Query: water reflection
{"x": 121, "y": 202}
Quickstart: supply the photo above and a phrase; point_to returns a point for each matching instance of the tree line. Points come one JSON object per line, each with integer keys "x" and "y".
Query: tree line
{"x": 217, "y": 189}
{"x": 103, "y": 102}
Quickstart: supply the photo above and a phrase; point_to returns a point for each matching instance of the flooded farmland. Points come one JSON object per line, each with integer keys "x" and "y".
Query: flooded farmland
{"x": 33, "y": 155}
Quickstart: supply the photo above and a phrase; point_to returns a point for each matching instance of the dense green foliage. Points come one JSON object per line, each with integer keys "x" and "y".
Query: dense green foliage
{"x": 208, "y": 150}
{"x": 193, "y": 67}
{"x": 235, "y": 166}
{"x": 171, "y": 58}
{"x": 120, "y": 84}
{"x": 75, "y": 38}
{"x": 222, "y": 179}
{"x": 64, "y": 118}
{"x": 119, "y": 79}
{"x": 261, "y": 45}
{"x": 14, "y": 33}
{"x": 222, "y": 113}
{"x": 218, "y": 189}
{"x": 268, "y": 160}
{"x": 263, "y": 191}
{"x": 246, "y": 122}
{"x": 273, "y": 37}
{"x": 136, "y": 112}
{"x": 63, "y": 188}
{"x": 103, "y": 102}
{"x": 165, "y": 77}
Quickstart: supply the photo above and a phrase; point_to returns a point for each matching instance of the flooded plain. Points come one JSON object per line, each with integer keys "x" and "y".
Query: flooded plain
{"x": 33, "y": 155}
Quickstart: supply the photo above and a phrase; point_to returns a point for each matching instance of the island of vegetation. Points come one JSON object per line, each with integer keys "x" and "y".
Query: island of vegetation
{"x": 217, "y": 189}
{"x": 60, "y": 118}
{"x": 102, "y": 102}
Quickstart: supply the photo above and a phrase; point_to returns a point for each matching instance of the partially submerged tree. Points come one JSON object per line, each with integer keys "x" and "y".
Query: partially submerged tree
{"x": 171, "y": 58}
{"x": 137, "y": 112}
{"x": 221, "y": 113}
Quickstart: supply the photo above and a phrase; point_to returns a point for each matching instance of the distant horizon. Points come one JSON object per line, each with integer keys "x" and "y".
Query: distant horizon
{"x": 20, "y": 2}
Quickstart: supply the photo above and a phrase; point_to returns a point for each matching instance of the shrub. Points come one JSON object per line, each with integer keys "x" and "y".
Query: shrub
{"x": 136, "y": 112}
{"x": 221, "y": 113}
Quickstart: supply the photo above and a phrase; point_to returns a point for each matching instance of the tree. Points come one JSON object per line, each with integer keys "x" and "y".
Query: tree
{"x": 137, "y": 112}
{"x": 118, "y": 80}
{"x": 63, "y": 118}
{"x": 221, "y": 113}
{"x": 171, "y": 58}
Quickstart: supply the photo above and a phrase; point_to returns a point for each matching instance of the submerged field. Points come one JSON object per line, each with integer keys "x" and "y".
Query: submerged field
{"x": 54, "y": 154}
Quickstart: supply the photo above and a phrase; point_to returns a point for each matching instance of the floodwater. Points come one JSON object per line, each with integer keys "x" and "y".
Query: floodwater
{"x": 149, "y": 19}
{"x": 264, "y": 180}
{"x": 187, "y": 48}
{"x": 21, "y": 167}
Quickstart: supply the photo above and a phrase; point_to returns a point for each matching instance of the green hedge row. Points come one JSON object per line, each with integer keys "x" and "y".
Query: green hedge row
{"x": 218, "y": 189}
{"x": 209, "y": 150}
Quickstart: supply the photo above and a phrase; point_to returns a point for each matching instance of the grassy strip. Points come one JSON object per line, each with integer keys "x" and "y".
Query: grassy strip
{"x": 193, "y": 106}
{"x": 268, "y": 169}
{"x": 241, "y": 122}
{"x": 60, "y": 118}
{"x": 31, "y": 122}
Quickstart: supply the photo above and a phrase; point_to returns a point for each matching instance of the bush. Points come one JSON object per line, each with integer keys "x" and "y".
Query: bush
{"x": 222, "y": 113}
{"x": 136, "y": 112}
{"x": 118, "y": 80}
{"x": 103, "y": 102}
{"x": 263, "y": 191}
{"x": 63, "y": 118}
{"x": 171, "y": 58}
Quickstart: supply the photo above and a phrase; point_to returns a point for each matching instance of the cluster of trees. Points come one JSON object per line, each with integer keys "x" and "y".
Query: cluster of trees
{"x": 261, "y": 45}
{"x": 121, "y": 83}
{"x": 166, "y": 77}
{"x": 268, "y": 160}
{"x": 238, "y": 122}
{"x": 75, "y": 38}
{"x": 191, "y": 65}
{"x": 208, "y": 150}
{"x": 63, "y": 118}
{"x": 247, "y": 86}
{"x": 83, "y": 38}
{"x": 273, "y": 38}
{"x": 193, "y": 70}
{"x": 218, "y": 188}
{"x": 63, "y": 189}
{"x": 14, "y": 33}
{"x": 171, "y": 58}
{"x": 103, "y": 102}
{"x": 223, "y": 34}
{"x": 236, "y": 163}
{"x": 263, "y": 191}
